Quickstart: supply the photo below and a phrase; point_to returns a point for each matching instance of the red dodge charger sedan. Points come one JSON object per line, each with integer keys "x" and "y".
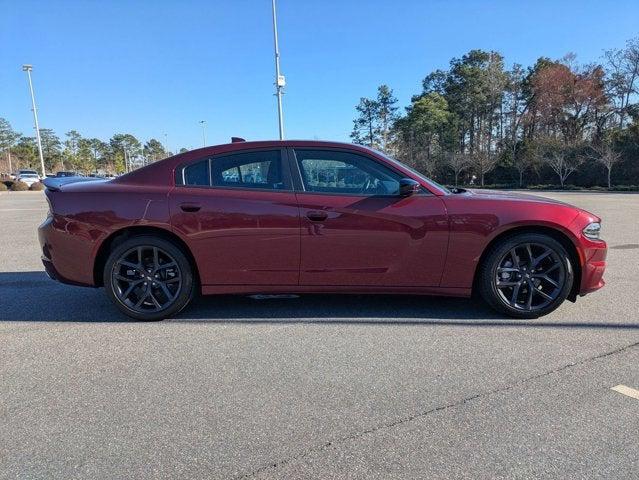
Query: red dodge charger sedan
{"x": 312, "y": 217}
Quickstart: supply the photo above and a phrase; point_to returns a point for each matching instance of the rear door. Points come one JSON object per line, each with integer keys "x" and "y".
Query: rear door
{"x": 240, "y": 216}
{"x": 357, "y": 230}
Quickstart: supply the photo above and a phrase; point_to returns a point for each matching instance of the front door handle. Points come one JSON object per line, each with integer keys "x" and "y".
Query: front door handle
{"x": 316, "y": 215}
{"x": 190, "y": 207}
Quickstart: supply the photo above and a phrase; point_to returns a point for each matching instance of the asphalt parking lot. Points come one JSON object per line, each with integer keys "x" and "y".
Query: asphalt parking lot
{"x": 318, "y": 386}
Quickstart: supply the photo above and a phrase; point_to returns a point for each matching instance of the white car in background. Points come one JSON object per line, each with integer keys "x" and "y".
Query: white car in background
{"x": 27, "y": 176}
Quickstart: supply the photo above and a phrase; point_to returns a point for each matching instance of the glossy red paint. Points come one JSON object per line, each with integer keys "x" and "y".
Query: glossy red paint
{"x": 253, "y": 241}
{"x": 240, "y": 237}
{"x": 372, "y": 241}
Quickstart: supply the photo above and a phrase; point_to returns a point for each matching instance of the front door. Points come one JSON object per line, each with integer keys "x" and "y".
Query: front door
{"x": 240, "y": 217}
{"x": 358, "y": 231}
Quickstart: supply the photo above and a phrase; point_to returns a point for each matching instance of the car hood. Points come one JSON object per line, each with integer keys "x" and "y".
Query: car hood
{"x": 510, "y": 196}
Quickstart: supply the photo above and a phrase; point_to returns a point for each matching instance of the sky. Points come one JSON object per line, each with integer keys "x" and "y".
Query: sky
{"x": 157, "y": 68}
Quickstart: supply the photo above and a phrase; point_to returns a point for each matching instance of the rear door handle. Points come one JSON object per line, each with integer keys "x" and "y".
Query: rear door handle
{"x": 317, "y": 215}
{"x": 190, "y": 207}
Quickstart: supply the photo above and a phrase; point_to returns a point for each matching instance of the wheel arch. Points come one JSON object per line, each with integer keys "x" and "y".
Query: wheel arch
{"x": 132, "y": 231}
{"x": 556, "y": 233}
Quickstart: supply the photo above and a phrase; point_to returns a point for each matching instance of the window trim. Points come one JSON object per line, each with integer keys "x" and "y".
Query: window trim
{"x": 287, "y": 177}
{"x": 298, "y": 180}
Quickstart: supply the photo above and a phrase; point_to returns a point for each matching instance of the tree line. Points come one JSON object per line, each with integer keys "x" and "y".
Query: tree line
{"x": 478, "y": 122}
{"x": 75, "y": 152}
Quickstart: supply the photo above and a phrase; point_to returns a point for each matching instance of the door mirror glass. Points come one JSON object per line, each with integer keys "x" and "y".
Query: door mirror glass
{"x": 408, "y": 186}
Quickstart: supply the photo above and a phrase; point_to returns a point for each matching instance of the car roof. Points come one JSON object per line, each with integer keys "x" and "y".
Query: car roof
{"x": 156, "y": 173}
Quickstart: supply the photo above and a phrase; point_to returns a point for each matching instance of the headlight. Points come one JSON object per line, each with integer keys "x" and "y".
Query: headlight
{"x": 592, "y": 230}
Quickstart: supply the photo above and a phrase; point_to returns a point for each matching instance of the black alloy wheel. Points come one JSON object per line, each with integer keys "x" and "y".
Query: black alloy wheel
{"x": 148, "y": 278}
{"x": 526, "y": 275}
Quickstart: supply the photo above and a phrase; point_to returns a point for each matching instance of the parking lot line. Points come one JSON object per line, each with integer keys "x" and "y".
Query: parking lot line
{"x": 629, "y": 392}
{"x": 21, "y": 209}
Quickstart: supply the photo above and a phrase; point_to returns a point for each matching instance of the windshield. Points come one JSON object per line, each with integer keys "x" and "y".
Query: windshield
{"x": 415, "y": 172}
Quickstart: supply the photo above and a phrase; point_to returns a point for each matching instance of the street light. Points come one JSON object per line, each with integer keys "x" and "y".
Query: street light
{"x": 280, "y": 81}
{"x": 28, "y": 68}
{"x": 126, "y": 160}
{"x": 203, "y": 123}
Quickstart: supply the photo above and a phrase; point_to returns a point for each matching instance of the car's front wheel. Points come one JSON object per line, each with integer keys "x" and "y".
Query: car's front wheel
{"x": 149, "y": 278}
{"x": 526, "y": 275}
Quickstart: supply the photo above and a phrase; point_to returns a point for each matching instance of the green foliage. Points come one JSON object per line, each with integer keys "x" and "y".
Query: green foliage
{"x": 51, "y": 150}
{"x": 153, "y": 151}
{"x": 8, "y": 136}
{"x": 126, "y": 150}
{"x": 25, "y": 153}
{"x": 554, "y": 122}
{"x": 374, "y": 124}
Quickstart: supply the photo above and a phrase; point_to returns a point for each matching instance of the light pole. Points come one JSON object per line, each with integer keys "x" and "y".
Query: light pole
{"x": 166, "y": 144}
{"x": 280, "y": 81}
{"x": 203, "y": 123}
{"x": 28, "y": 68}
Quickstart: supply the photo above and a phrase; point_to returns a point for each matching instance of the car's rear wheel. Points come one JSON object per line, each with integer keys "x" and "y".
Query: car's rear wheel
{"x": 149, "y": 278}
{"x": 526, "y": 275}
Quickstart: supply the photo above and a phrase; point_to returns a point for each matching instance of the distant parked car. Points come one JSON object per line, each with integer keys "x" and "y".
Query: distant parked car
{"x": 27, "y": 176}
{"x": 23, "y": 171}
{"x": 67, "y": 174}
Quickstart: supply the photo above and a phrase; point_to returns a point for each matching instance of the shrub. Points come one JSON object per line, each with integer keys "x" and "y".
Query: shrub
{"x": 3, "y": 187}
{"x": 625, "y": 188}
{"x": 36, "y": 187}
{"x": 19, "y": 187}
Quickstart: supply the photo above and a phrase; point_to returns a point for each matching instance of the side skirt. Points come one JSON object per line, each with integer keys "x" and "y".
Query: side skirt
{"x": 289, "y": 289}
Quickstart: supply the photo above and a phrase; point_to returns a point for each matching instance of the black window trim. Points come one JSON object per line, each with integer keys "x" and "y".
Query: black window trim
{"x": 287, "y": 176}
{"x": 298, "y": 181}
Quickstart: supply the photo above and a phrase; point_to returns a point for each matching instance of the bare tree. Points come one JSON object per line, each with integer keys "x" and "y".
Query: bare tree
{"x": 562, "y": 163}
{"x": 623, "y": 76}
{"x": 484, "y": 162}
{"x": 605, "y": 155}
{"x": 457, "y": 162}
{"x": 522, "y": 164}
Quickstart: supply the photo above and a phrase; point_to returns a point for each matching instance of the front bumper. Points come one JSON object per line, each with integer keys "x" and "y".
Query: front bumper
{"x": 593, "y": 266}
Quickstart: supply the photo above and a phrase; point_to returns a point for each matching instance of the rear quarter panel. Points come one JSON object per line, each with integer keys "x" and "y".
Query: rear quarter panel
{"x": 84, "y": 216}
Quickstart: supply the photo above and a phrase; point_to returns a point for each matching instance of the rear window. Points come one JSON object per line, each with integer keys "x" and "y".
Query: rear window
{"x": 261, "y": 169}
{"x": 197, "y": 174}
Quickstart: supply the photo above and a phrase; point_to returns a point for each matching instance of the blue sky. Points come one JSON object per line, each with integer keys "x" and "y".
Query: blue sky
{"x": 155, "y": 67}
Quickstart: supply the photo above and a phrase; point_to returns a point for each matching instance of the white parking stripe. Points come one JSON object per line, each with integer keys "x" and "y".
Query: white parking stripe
{"x": 21, "y": 209}
{"x": 629, "y": 392}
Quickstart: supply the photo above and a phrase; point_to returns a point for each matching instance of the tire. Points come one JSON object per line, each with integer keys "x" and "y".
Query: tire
{"x": 149, "y": 278}
{"x": 526, "y": 275}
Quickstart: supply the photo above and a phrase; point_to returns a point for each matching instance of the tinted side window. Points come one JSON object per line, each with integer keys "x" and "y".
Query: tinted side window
{"x": 327, "y": 171}
{"x": 262, "y": 169}
{"x": 197, "y": 173}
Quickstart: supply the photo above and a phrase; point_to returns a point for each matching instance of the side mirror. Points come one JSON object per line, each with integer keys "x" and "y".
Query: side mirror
{"x": 408, "y": 187}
